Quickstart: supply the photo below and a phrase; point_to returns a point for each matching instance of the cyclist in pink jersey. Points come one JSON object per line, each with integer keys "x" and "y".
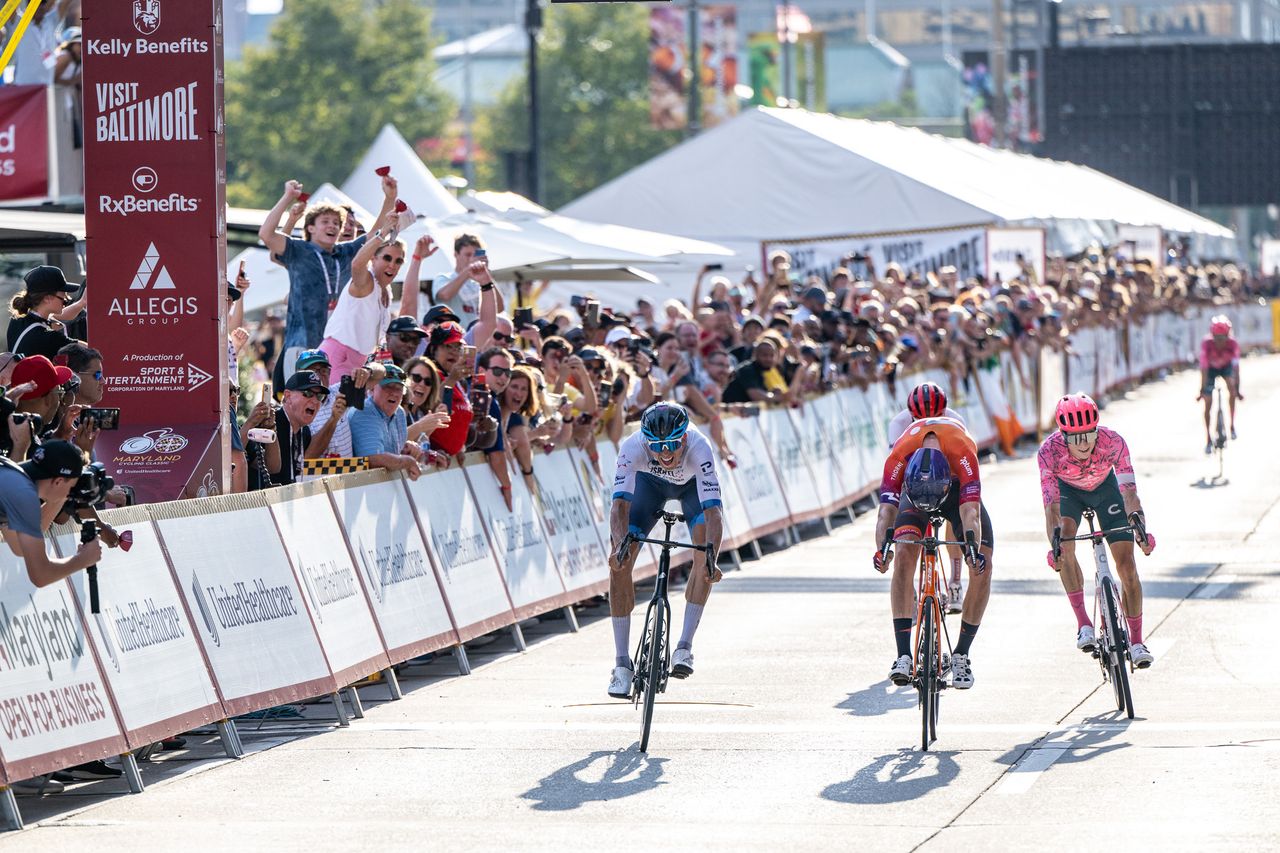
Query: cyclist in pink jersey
{"x": 1087, "y": 465}
{"x": 1219, "y": 357}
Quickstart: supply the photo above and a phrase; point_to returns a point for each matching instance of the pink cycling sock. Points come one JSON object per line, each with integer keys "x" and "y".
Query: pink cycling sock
{"x": 1135, "y": 628}
{"x": 1077, "y": 605}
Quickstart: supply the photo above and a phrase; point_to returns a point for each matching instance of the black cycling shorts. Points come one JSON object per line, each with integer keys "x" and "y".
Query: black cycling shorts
{"x": 1105, "y": 500}
{"x": 1212, "y": 375}
{"x": 914, "y": 521}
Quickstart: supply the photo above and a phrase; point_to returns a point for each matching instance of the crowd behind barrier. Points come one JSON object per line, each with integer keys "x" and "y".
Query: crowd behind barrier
{"x": 237, "y": 603}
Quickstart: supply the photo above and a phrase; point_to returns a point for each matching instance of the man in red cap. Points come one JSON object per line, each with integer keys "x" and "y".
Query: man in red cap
{"x": 43, "y": 381}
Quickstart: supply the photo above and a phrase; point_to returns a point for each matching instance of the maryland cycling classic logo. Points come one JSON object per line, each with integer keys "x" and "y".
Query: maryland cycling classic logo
{"x": 163, "y": 440}
{"x": 146, "y": 16}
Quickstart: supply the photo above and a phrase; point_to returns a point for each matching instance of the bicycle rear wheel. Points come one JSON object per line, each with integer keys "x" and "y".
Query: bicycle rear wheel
{"x": 653, "y": 670}
{"x": 1116, "y": 650}
{"x": 928, "y": 678}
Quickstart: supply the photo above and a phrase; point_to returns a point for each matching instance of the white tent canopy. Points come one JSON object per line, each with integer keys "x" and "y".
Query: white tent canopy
{"x": 793, "y": 175}
{"x": 418, "y": 187}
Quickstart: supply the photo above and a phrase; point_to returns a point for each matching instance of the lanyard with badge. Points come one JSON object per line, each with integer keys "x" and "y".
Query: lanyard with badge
{"x": 331, "y": 285}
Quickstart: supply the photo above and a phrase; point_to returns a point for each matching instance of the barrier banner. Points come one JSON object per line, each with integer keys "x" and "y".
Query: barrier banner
{"x": 919, "y": 252}
{"x": 573, "y": 535}
{"x": 1082, "y": 362}
{"x": 243, "y": 599}
{"x": 24, "y": 142}
{"x": 155, "y": 200}
{"x": 55, "y": 710}
{"x": 599, "y": 491}
{"x": 999, "y": 411}
{"x": 1020, "y": 388}
{"x": 520, "y": 544}
{"x": 757, "y": 481}
{"x": 392, "y": 561}
{"x": 841, "y": 431}
{"x": 1053, "y": 385}
{"x": 330, "y": 583}
{"x": 143, "y": 635}
{"x": 824, "y": 472}
{"x": 737, "y": 522}
{"x": 451, "y": 522}
{"x": 1009, "y": 249}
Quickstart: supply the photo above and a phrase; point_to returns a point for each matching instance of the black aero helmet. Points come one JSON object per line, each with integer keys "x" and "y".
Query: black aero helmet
{"x": 928, "y": 479}
{"x": 664, "y": 422}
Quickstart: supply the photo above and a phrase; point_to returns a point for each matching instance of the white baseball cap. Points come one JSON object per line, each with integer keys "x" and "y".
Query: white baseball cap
{"x": 617, "y": 333}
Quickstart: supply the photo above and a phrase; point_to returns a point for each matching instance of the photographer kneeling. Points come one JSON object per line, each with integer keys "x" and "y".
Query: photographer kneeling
{"x": 31, "y": 496}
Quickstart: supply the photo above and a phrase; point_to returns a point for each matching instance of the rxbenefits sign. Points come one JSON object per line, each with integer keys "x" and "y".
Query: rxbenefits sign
{"x": 154, "y": 201}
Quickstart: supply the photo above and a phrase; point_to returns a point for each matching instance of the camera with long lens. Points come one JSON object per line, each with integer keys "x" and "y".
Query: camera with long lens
{"x": 91, "y": 489}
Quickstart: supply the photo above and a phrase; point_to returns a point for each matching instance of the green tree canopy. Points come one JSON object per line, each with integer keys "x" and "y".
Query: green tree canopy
{"x": 594, "y": 91}
{"x": 308, "y": 105}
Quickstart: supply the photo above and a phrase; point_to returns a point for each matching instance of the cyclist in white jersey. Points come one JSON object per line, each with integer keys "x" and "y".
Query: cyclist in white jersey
{"x": 668, "y": 459}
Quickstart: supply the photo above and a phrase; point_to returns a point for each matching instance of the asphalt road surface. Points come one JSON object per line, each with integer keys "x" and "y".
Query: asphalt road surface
{"x": 789, "y": 736}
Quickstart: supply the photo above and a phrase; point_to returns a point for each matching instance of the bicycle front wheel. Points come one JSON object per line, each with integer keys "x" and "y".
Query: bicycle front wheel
{"x": 1115, "y": 650}
{"x": 653, "y": 672}
{"x": 928, "y": 677}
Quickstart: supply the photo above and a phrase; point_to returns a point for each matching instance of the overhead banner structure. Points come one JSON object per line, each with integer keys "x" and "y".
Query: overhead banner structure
{"x": 1016, "y": 253}
{"x": 1145, "y": 242}
{"x": 155, "y": 223}
{"x": 921, "y": 253}
{"x": 24, "y": 142}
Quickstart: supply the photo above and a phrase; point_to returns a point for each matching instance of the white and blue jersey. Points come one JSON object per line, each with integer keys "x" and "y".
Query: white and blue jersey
{"x": 641, "y": 480}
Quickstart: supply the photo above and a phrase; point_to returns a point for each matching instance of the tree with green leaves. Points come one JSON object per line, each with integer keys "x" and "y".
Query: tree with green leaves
{"x": 308, "y": 104}
{"x": 594, "y": 93}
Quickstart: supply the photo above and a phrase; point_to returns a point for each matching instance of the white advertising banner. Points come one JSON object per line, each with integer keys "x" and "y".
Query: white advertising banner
{"x": 570, "y": 520}
{"x": 451, "y": 520}
{"x": 1020, "y": 387}
{"x": 393, "y": 563}
{"x": 1141, "y": 243}
{"x": 841, "y": 426}
{"x": 1082, "y": 362}
{"x": 143, "y": 635}
{"x": 242, "y": 595}
{"x": 598, "y": 487}
{"x": 520, "y": 543}
{"x": 1053, "y": 385}
{"x": 757, "y": 482}
{"x": 54, "y": 707}
{"x": 828, "y": 484}
{"x": 329, "y": 580}
{"x": 1009, "y": 249}
{"x": 737, "y": 522}
{"x": 921, "y": 252}
{"x": 867, "y": 443}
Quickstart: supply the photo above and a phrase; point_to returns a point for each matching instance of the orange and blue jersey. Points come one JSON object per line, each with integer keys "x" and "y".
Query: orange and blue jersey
{"x": 957, "y": 447}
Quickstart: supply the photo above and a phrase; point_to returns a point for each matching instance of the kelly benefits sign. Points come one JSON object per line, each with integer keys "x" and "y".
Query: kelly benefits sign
{"x": 154, "y": 201}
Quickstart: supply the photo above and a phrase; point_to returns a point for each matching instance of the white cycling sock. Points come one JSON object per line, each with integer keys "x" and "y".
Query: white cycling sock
{"x": 692, "y": 616}
{"x": 621, "y": 639}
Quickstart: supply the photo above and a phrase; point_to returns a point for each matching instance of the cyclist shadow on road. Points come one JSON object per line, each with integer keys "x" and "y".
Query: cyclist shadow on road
{"x": 878, "y": 698}
{"x": 1081, "y": 742}
{"x": 907, "y": 774}
{"x": 601, "y": 776}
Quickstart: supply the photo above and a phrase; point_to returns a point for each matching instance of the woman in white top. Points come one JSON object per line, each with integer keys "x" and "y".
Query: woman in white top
{"x": 359, "y": 322}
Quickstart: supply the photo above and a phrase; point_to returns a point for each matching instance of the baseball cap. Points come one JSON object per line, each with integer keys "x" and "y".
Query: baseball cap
{"x": 576, "y": 336}
{"x": 447, "y": 332}
{"x": 395, "y": 376}
{"x": 590, "y": 354}
{"x": 54, "y": 459}
{"x": 617, "y": 333}
{"x": 47, "y": 279}
{"x": 405, "y": 325}
{"x": 310, "y": 358}
{"x": 438, "y": 314}
{"x": 815, "y": 293}
{"x": 40, "y": 370}
{"x": 303, "y": 380}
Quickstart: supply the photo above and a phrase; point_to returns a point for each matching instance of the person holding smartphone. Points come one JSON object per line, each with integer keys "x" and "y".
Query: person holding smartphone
{"x": 461, "y": 289}
{"x": 445, "y": 348}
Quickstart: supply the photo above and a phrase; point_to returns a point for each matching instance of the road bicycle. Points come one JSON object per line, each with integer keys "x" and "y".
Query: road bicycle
{"x": 1220, "y": 433}
{"x": 653, "y": 657}
{"x": 1112, "y": 649}
{"x": 930, "y": 664}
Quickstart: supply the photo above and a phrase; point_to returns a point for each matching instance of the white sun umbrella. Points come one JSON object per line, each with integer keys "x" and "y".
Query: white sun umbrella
{"x": 652, "y": 244}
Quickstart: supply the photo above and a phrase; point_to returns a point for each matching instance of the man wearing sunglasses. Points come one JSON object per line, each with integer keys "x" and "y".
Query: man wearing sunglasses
{"x": 1087, "y": 465}
{"x": 668, "y": 459}
{"x": 303, "y": 395}
{"x": 493, "y": 372}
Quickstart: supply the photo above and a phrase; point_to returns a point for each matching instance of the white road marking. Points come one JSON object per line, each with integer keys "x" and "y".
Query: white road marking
{"x": 1160, "y": 646}
{"x": 1215, "y": 586}
{"x": 1024, "y": 774}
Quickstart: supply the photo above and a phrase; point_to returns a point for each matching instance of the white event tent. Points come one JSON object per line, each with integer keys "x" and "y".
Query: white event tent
{"x": 791, "y": 175}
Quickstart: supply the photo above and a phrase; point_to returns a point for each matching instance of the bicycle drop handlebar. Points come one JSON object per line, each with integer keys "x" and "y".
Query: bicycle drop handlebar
{"x": 668, "y": 518}
{"x": 1137, "y": 524}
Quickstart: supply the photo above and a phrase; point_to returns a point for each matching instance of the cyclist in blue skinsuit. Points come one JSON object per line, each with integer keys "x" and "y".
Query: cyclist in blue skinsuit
{"x": 668, "y": 459}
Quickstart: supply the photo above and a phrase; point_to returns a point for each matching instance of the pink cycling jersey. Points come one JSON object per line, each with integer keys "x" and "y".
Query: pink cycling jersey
{"x": 1211, "y": 357}
{"x": 1057, "y": 463}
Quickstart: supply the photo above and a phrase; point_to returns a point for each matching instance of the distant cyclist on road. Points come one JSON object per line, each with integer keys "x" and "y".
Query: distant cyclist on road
{"x": 1087, "y": 465}
{"x": 933, "y": 468}
{"x": 668, "y": 459}
{"x": 1219, "y": 357}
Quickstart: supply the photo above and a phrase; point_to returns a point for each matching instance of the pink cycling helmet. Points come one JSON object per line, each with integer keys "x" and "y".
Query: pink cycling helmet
{"x": 1220, "y": 325}
{"x": 1076, "y": 413}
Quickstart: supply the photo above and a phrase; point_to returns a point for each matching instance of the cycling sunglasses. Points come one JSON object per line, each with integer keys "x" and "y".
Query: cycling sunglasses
{"x": 1081, "y": 437}
{"x": 667, "y": 445}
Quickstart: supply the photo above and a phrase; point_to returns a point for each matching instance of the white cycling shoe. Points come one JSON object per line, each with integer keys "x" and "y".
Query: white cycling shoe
{"x": 961, "y": 672}
{"x": 1085, "y": 640}
{"x": 681, "y": 663}
{"x": 620, "y": 682}
{"x": 900, "y": 672}
{"x": 955, "y": 598}
{"x": 1141, "y": 657}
